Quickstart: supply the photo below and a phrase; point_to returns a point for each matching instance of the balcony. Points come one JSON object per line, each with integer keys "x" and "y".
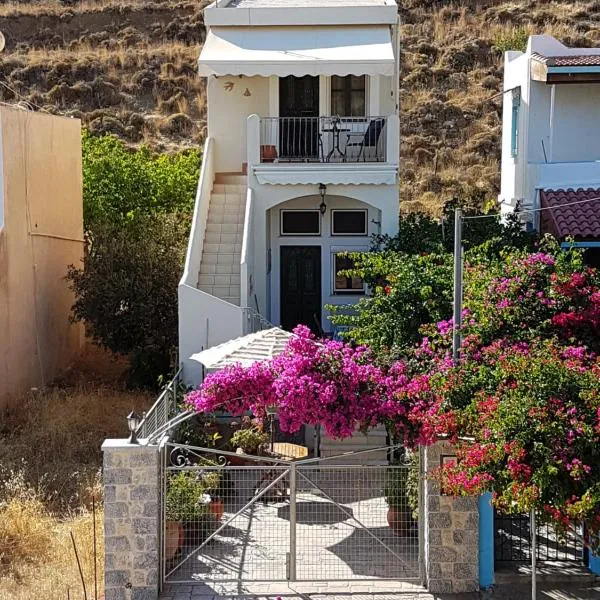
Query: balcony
{"x": 332, "y": 149}
{"x": 322, "y": 139}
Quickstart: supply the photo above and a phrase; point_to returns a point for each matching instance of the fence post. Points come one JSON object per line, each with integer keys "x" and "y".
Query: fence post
{"x": 486, "y": 541}
{"x": 292, "y": 560}
{"x": 131, "y": 520}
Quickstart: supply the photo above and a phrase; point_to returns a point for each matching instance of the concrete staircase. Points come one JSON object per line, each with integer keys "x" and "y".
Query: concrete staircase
{"x": 220, "y": 264}
{"x": 376, "y": 438}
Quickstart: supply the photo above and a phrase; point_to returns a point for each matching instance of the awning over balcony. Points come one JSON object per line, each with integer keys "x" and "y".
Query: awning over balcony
{"x": 282, "y": 51}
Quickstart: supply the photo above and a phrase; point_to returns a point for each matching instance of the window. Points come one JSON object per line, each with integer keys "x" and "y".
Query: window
{"x": 514, "y": 124}
{"x": 300, "y": 222}
{"x": 348, "y": 222}
{"x": 343, "y": 284}
{"x": 348, "y": 97}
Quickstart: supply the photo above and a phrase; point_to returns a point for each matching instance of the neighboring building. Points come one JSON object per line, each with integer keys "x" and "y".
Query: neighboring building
{"x": 41, "y": 233}
{"x": 300, "y": 163}
{"x": 551, "y": 138}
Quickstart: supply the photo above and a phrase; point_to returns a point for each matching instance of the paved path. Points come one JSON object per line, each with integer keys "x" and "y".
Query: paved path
{"x": 375, "y": 591}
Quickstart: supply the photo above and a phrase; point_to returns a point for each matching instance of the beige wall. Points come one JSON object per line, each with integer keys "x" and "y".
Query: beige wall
{"x": 41, "y": 233}
{"x": 228, "y": 111}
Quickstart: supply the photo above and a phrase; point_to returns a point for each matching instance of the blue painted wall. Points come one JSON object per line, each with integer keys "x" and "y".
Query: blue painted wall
{"x": 486, "y": 541}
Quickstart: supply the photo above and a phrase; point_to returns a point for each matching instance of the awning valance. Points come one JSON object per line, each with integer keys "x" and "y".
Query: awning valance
{"x": 282, "y": 51}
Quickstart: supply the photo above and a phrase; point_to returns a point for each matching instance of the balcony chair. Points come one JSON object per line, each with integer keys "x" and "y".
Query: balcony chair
{"x": 370, "y": 139}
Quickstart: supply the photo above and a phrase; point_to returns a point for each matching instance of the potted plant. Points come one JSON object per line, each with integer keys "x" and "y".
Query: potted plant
{"x": 250, "y": 439}
{"x": 399, "y": 514}
{"x": 189, "y": 520}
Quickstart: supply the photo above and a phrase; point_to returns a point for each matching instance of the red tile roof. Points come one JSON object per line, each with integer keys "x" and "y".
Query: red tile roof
{"x": 573, "y": 60}
{"x": 573, "y": 213}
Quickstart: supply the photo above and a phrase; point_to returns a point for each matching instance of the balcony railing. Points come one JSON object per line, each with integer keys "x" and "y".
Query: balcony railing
{"x": 323, "y": 139}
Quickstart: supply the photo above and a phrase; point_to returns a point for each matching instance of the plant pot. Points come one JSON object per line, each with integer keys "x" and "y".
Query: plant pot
{"x": 174, "y": 537}
{"x": 268, "y": 153}
{"x": 399, "y": 520}
{"x": 217, "y": 508}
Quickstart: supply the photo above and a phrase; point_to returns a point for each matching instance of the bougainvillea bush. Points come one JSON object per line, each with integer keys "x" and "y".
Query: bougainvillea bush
{"x": 327, "y": 383}
{"x": 522, "y": 404}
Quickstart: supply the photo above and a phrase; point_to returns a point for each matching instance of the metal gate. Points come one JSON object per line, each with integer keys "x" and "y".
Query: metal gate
{"x": 512, "y": 542}
{"x": 274, "y": 520}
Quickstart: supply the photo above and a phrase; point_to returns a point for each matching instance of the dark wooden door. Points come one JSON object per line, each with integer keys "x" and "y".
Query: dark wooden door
{"x": 301, "y": 287}
{"x": 299, "y": 117}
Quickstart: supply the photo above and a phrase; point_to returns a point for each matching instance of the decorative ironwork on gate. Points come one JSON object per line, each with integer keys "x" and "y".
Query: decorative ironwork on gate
{"x": 270, "y": 519}
{"x": 512, "y": 541}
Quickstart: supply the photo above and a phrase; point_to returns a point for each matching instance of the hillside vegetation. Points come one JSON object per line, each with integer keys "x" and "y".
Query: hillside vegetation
{"x": 129, "y": 67}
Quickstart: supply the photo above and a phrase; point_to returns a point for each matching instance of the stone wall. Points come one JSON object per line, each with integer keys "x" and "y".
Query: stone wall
{"x": 131, "y": 521}
{"x": 450, "y": 533}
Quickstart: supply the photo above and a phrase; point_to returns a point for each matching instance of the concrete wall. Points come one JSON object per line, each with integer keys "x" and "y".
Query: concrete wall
{"x": 42, "y": 234}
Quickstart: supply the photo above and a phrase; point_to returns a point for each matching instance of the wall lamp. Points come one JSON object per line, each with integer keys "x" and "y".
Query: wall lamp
{"x": 322, "y": 192}
{"x": 133, "y": 422}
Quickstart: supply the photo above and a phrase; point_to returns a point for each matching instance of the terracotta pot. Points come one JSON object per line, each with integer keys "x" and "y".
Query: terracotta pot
{"x": 217, "y": 508}
{"x": 399, "y": 520}
{"x": 174, "y": 536}
{"x": 268, "y": 154}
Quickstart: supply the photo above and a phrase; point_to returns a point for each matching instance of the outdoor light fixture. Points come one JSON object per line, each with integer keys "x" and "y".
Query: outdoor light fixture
{"x": 133, "y": 422}
{"x": 322, "y": 192}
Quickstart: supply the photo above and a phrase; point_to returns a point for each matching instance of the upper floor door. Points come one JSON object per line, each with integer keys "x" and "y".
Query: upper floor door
{"x": 299, "y": 117}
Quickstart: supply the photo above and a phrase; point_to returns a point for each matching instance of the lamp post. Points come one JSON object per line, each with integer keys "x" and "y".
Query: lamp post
{"x": 272, "y": 411}
{"x": 133, "y": 422}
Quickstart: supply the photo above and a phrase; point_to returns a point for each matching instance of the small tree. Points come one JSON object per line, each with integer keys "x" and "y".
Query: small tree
{"x": 127, "y": 290}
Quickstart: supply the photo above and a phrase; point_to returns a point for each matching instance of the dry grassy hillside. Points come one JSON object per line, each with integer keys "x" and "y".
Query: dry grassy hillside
{"x": 128, "y": 66}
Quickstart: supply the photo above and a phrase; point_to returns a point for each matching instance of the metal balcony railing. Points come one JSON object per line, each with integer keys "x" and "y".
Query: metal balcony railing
{"x": 323, "y": 139}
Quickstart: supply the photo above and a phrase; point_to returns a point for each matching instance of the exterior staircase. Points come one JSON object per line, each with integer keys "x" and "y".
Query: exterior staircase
{"x": 221, "y": 252}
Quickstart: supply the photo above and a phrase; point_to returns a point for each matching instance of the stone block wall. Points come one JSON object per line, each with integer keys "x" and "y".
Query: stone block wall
{"x": 131, "y": 521}
{"x": 450, "y": 533}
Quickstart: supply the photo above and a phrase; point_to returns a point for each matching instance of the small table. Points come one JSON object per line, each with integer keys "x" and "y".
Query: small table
{"x": 290, "y": 451}
{"x": 335, "y": 129}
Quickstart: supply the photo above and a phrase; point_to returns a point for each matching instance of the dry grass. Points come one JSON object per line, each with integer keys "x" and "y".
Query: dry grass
{"x": 12, "y": 8}
{"x": 50, "y": 463}
{"x": 54, "y": 571}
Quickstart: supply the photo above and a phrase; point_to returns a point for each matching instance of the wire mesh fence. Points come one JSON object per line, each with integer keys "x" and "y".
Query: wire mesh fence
{"x": 512, "y": 541}
{"x": 274, "y": 521}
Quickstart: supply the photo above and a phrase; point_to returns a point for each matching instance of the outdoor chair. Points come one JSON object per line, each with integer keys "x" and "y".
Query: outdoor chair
{"x": 369, "y": 139}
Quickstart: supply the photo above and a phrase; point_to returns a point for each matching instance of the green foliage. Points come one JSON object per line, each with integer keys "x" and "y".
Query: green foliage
{"x": 410, "y": 277}
{"x": 250, "y": 439}
{"x": 515, "y": 39}
{"x": 186, "y": 496}
{"x": 407, "y": 291}
{"x": 137, "y": 207}
{"x": 120, "y": 183}
{"x": 395, "y": 491}
{"x": 126, "y": 292}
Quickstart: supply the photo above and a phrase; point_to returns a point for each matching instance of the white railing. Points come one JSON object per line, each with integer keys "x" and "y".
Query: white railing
{"x": 200, "y": 217}
{"x": 247, "y": 258}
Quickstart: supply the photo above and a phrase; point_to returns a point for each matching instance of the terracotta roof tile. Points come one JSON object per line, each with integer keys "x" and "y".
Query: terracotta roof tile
{"x": 573, "y": 60}
{"x": 580, "y": 221}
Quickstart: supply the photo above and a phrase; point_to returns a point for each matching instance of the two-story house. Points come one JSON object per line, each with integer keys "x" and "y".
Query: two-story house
{"x": 551, "y": 139}
{"x": 300, "y": 163}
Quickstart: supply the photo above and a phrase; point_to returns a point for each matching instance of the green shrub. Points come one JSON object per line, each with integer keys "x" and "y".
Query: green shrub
{"x": 120, "y": 183}
{"x": 515, "y": 39}
{"x": 126, "y": 292}
{"x": 249, "y": 439}
{"x": 186, "y": 497}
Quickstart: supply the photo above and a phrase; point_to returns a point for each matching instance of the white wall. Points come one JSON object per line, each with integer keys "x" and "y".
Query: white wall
{"x": 228, "y": 109}
{"x": 382, "y": 198}
{"x": 576, "y": 135}
{"x": 516, "y": 73}
{"x": 329, "y": 245}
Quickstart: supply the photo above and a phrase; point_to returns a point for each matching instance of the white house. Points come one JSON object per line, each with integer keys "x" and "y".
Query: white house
{"x": 300, "y": 163}
{"x": 551, "y": 138}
